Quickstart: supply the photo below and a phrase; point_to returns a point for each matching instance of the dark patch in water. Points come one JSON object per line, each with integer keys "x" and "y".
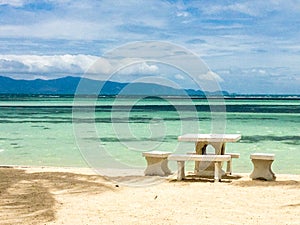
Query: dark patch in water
{"x": 103, "y": 120}
{"x": 17, "y": 146}
{"x": 252, "y": 108}
{"x": 291, "y": 140}
{"x": 263, "y": 108}
{"x": 40, "y": 126}
{"x": 113, "y": 139}
{"x": 296, "y": 142}
{"x": 10, "y": 139}
{"x": 51, "y": 138}
{"x": 251, "y": 118}
{"x": 13, "y": 143}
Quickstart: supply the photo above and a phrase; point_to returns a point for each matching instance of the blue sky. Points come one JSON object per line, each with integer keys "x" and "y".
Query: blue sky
{"x": 253, "y": 46}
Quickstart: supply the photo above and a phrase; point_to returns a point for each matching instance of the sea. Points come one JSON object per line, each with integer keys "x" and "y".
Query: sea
{"x": 113, "y": 131}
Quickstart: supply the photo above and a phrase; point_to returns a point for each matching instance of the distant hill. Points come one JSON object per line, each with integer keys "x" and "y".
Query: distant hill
{"x": 68, "y": 85}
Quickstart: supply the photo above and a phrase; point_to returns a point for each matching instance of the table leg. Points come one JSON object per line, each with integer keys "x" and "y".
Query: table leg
{"x": 200, "y": 148}
{"x": 219, "y": 147}
{"x": 208, "y": 169}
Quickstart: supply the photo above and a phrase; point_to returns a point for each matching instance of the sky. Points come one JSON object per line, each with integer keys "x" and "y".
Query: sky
{"x": 251, "y": 47}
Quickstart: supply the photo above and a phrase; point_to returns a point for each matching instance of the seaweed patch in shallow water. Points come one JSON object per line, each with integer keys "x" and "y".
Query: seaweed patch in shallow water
{"x": 293, "y": 140}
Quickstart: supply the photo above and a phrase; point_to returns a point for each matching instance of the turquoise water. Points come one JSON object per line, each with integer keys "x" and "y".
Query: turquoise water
{"x": 46, "y": 131}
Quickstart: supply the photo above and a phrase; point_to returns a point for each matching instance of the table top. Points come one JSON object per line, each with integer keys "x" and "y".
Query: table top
{"x": 210, "y": 137}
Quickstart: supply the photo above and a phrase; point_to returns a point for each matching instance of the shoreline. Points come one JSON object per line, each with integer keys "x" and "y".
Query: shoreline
{"x": 91, "y": 171}
{"x": 55, "y": 195}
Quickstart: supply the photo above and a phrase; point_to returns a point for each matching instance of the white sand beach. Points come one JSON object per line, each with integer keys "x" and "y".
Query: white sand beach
{"x": 45, "y": 195}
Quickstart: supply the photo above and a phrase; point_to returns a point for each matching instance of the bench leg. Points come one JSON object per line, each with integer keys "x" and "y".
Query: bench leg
{"x": 218, "y": 171}
{"x": 180, "y": 172}
{"x": 229, "y": 167}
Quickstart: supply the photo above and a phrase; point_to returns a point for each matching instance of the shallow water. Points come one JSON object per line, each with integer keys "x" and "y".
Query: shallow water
{"x": 46, "y": 131}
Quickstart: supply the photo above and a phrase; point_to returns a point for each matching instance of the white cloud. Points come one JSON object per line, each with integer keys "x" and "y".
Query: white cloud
{"x": 255, "y": 8}
{"x": 100, "y": 66}
{"x": 15, "y": 3}
{"x": 260, "y": 80}
{"x": 140, "y": 69}
{"x": 182, "y": 14}
{"x": 179, "y": 77}
{"x": 61, "y": 29}
{"x": 34, "y": 64}
{"x": 52, "y": 66}
{"x": 262, "y": 71}
{"x": 87, "y": 20}
{"x": 210, "y": 76}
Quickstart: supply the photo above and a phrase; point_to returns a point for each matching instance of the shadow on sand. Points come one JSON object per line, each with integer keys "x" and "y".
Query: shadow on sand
{"x": 262, "y": 183}
{"x": 29, "y": 197}
{"x": 208, "y": 179}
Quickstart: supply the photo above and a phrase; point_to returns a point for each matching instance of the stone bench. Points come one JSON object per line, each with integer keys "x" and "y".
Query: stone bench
{"x": 229, "y": 163}
{"x": 157, "y": 163}
{"x": 262, "y": 166}
{"x": 216, "y": 159}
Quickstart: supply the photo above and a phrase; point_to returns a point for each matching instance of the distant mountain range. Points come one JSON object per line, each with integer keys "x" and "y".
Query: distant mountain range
{"x": 68, "y": 86}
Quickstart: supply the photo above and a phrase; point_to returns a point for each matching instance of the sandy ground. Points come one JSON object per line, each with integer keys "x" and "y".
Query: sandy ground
{"x": 79, "y": 196}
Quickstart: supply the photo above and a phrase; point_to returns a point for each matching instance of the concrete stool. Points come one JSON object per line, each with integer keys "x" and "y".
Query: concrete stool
{"x": 262, "y": 166}
{"x": 157, "y": 163}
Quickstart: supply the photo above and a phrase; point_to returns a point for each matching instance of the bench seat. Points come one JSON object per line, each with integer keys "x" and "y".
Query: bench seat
{"x": 216, "y": 159}
{"x": 229, "y": 163}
